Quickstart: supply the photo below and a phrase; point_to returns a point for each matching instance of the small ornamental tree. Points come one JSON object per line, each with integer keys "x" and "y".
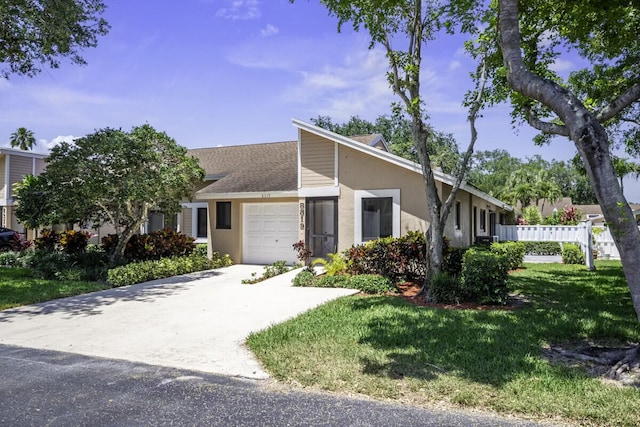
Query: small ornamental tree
{"x": 116, "y": 177}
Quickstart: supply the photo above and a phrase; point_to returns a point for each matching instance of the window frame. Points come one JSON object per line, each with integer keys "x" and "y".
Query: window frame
{"x": 457, "y": 216}
{"x": 202, "y": 228}
{"x": 223, "y": 222}
{"x": 359, "y": 195}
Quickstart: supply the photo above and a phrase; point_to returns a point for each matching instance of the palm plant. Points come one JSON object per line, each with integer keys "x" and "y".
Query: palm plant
{"x": 23, "y": 139}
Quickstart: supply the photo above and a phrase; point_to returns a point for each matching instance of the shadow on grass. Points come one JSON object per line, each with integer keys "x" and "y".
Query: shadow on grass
{"x": 92, "y": 303}
{"x": 493, "y": 347}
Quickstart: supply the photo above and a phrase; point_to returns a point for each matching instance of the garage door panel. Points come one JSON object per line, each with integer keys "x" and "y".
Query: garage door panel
{"x": 270, "y": 230}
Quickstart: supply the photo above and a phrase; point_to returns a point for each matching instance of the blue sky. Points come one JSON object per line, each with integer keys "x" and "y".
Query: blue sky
{"x": 226, "y": 72}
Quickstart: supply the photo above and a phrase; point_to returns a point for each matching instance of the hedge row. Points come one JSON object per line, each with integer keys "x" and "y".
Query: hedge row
{"x": 366, "y": 283}
{"x": 143, "y": 271}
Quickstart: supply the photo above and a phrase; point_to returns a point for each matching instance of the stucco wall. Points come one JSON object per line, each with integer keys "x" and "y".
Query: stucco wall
{"x": 359, "y": 171}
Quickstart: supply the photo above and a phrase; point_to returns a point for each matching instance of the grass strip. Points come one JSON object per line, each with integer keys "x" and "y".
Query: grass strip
{"x": 386, "y": 348}
{"x": 18, "y": 287}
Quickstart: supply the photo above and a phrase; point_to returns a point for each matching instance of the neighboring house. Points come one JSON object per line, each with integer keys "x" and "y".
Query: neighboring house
{"x": 328, "y": 190}
{"x": 591, "y": 213}
{"x": 14, "y": 166}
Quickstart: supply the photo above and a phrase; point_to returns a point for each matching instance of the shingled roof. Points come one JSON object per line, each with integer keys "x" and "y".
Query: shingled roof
{"x": 250, "y": 168}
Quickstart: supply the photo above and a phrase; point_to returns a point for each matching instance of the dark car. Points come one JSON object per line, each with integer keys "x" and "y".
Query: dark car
{"x": 9, "y": 239}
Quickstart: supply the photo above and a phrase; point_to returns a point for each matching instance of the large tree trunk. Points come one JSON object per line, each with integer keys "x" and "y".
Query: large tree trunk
{"x": 590, "y": 139}
{"x": 435, "y": 234}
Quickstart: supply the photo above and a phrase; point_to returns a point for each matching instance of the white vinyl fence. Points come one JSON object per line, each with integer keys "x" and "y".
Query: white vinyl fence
{"x": 579, "y": 234}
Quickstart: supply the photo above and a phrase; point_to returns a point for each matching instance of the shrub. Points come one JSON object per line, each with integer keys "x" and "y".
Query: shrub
{"x": 337, "y": 264}
{"x": 452, "y": 262}
{"x": 570, "y": 216}
{"x": 9, "y": 259}
{"x": 572, "y": 254}
{"x": 445, "y": 289}
{"x": 200, "y": 249}
{"x": 48, "y": 240}
{"x": 73, "y": 241}
{"x": 542, "y": 248}
{"x": 333, "y": 281}
{"x": 303, "y": 253}
{"x": 531, "y": 215}
{"x": 152, "y": 246}
{"x": 143, "y": 271}
{"x": 484, "y": 277}
{"x": 305, "y": 278}
{"x": 370, "y": 284}
{"x": 47, "y": 265}
{"x": 395, "y": 258}
{"x": 514, "y": 251}
{"x": 275, "y": 269}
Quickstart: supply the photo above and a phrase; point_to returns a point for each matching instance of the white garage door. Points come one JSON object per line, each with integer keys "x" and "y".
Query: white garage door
{"x": 270, "y": 230}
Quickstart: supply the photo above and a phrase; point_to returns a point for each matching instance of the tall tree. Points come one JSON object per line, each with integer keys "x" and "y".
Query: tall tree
{"x": 23, "y": 139}
{"x": 625, "y": 167}
{"x": 413, "y": 22}
{"x": 116, "y": 177}
{"x": 605, "y": 35}
{"x": 39, "y": 33}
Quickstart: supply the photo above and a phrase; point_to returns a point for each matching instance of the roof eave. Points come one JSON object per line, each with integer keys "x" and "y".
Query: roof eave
{"x": 247, "y": 195}
{"x": 397, "y": 160}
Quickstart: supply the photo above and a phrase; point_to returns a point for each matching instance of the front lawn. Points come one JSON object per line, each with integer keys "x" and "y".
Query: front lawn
{"x": 19, "y": 287}
{"x": 494, "y": 360}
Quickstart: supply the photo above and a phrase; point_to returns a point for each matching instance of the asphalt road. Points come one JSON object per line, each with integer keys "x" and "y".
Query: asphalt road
{"x": 41, "y": 387}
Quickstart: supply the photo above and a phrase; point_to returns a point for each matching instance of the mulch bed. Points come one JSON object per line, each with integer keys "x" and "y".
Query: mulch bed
{"x": 409, "y": 292}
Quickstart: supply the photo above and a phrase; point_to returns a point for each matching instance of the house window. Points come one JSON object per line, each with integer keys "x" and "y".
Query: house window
{"x": 223, "y": 215}
{"x": 483, "y": 220}
{"x": 376, "y": 214}
{"x": 201, "y": 230}
{"x": 377, "y": 218}
{"x": 457, "y": 217}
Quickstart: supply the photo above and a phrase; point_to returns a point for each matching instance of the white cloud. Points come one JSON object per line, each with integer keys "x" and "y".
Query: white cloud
{"x": 239, "y": 10}
{"x": 355, "y": 86}
{"x": 562, "y": 65}
{"x": 269, "y": 30}
{"x": 42, "y": 145}
{"x": 454, "y": 65}
{"x": 56, "y": 96}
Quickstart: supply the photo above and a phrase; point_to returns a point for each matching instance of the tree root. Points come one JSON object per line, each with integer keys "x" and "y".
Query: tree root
{"x": 621, "y": 360}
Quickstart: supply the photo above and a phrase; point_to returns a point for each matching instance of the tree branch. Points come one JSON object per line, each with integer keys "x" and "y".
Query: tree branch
{"x": 557, "y": 98}
{"x": 546, "y": 127}
{"x": 473, "y": 114}
{"x": 395, "y": 84}
{"x": 630, "y": 96}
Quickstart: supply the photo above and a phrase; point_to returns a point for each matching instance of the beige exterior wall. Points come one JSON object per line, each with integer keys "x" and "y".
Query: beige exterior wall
{"x": 186, "y": 225}
{"x": 359, "y": 171}
{"x": 318, "y": 161}
{"x": 18, "y": 168}
{"x": 229, "y": 241}
{"x": 3, "y": 184}
{"x": 355, "y": 173}
{"x": 40, "y": 166}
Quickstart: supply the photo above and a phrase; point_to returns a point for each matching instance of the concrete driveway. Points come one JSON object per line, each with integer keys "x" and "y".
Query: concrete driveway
{"x": 197, "y": 322}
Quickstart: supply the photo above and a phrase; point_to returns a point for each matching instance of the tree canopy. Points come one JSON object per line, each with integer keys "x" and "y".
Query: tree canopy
{"x": 111, "y": 176}
{"x": 39, "y": 33}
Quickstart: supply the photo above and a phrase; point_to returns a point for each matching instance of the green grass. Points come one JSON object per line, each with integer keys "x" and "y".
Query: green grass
{"x": 386, "y": 348}
{"x": 18, "y": 287}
